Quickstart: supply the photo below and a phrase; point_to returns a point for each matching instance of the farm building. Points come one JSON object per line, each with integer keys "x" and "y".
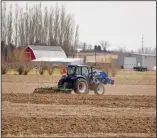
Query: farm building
{"x": 130, "y": 60}
{"x": 35, "y": 52}
{"x": 47, "y": 55}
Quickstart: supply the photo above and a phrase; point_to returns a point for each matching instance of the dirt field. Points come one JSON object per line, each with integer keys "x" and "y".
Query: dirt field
{"x": 127, "y": 109}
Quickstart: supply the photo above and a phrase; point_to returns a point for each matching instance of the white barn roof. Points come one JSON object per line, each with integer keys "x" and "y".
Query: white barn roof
{"x": 48, "y": 51}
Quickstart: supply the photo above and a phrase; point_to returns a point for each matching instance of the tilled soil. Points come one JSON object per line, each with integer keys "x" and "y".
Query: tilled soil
{"x": 49, "y": 110}
{"x": 48, "y": 114}
{"x": 69, "y": 99}
{"x": 74, "y": 124}
{"x": 124, "y": 111}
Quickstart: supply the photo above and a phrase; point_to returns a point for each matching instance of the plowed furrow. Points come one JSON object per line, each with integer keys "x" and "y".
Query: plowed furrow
{"x": 69, "y": 99}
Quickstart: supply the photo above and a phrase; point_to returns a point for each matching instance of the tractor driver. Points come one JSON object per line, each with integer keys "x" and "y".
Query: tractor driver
{"x": 71, "y": 70}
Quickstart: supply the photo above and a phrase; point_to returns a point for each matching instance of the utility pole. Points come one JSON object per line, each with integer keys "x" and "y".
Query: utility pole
{"x": 142, "y": 43}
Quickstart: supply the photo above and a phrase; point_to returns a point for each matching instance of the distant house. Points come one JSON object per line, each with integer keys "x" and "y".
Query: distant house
{"x": 33, "y": 52}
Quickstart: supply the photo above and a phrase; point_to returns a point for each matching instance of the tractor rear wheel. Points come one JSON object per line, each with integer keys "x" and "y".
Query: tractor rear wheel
{"x": 81, "y": 86}
{"x": 99, "y": 89}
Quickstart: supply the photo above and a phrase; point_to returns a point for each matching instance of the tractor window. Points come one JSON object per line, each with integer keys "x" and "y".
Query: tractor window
{"x": 71, "y": 70}
{"x": 84, "y": 71}
{"x": 78, "y": 70}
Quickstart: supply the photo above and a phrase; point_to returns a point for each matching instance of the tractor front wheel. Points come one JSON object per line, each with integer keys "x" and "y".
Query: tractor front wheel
{"x": 99, "y": 89}
{"x": 81, "y": 86}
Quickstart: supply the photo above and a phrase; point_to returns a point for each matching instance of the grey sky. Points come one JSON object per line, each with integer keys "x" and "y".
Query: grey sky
{"x": 120, "y": 23}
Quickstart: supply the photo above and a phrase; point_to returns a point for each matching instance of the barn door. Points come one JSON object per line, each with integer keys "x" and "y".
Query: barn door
{"x": 129, "y": 62}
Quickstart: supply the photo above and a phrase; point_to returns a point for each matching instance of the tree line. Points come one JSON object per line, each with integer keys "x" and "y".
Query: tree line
{"x": 39, "y": 25}
{"x": 102, "y": 46}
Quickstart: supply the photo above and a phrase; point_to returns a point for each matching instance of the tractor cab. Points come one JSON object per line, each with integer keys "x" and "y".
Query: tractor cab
{"x": 74, "y": 70}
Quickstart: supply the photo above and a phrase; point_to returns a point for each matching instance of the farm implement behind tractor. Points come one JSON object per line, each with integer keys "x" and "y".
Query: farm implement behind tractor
{"x": 81, "y": 79}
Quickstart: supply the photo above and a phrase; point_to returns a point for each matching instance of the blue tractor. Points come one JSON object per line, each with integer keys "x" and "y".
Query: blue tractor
{"x": 82, "y": 78}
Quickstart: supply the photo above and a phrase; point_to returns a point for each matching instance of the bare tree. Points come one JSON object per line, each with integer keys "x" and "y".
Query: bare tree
{"x": 31, "y": 36}
{"x": 16, "y": 24}
{"x": 151, "y": 50}
{"x": 68, "y": 36}
{"x": 32, "y": 26}
{"x": 84, "y": 46}
{"x": 4, "y": 22}
{"x": 56, "y": 24}
{"x": 121, "y": 49}
{"x": 9, "y": 28}
{"x": 26, "y": 18}
{"x": 62, "y": 25}
{"x": 21, "y": 29}
{"x": 147, "y": 50}
{"x": 104, "y": 44}
{"x": 46, "y": 25}
{"x": 89, "y": 46}
{"x": 140, "y": 50}
{"x": 38, "y": 23}
{"x": 76, "y": 41}
{"x": 51, "y": 27}
{"x": 154, "y": 50}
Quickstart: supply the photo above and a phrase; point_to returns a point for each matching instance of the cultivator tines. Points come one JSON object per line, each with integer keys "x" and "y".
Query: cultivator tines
{"x": 45, "y": 90}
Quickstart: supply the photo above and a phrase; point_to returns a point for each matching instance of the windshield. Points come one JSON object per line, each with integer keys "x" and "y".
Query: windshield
{"x": 71, "y": 70}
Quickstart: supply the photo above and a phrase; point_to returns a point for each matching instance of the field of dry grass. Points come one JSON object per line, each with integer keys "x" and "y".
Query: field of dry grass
{"x": 127, "y": 109}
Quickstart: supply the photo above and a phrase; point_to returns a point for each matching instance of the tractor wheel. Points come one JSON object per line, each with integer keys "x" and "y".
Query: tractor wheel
{"x": 81, "y": 86}
{"x": 99, "y": 89}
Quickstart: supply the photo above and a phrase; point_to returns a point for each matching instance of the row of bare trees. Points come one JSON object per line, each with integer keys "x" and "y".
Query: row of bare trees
{"x": 39, "y": 25}
{"x": 102, "y": 46}
{"x": 147, "y": 50}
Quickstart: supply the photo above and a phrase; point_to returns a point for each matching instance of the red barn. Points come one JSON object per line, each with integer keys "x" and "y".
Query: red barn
{"x": 34, "y": 52}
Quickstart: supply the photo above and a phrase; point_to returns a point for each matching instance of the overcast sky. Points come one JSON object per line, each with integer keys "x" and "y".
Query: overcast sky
{"x": 121, "y": 23}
